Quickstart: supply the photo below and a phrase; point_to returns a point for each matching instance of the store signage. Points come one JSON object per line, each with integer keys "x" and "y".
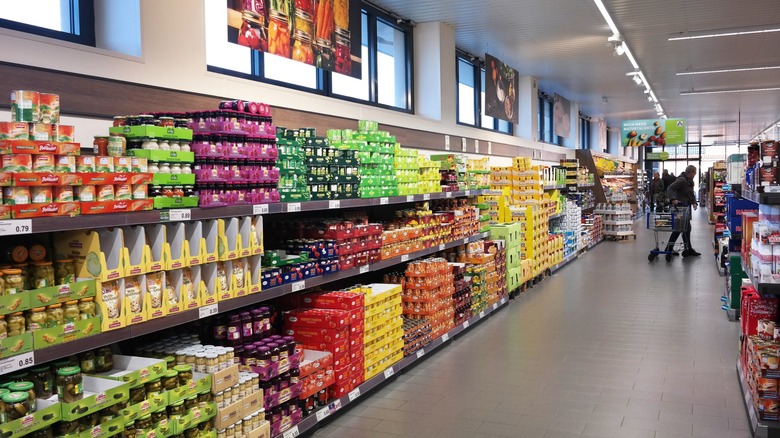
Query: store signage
{"x": 657, "y": 156}
{"x": 501, "y": 84}
{"x": 561, "y": 116}
{"x": 324, "y": 33}
{"x": 660, "y": 132}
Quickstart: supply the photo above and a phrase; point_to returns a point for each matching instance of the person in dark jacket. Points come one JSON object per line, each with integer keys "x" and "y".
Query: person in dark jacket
{"x": 681, "y": 194}
{"x": 656, "y": 188}
{"x": 667, "y": 178}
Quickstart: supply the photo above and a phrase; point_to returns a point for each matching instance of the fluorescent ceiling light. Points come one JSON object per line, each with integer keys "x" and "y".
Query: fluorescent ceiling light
{"x": 607, "y": 18}
{"x": 728, "y": 70}
{"x": 722, "y": 33}
{"x": 737, "y": 90}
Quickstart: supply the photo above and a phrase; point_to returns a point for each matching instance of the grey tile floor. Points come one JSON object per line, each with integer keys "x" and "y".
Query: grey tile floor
{"x": 610, "y": 346}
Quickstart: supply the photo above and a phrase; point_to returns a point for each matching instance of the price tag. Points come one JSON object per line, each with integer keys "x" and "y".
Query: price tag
{"x": 17, "y": 362}
{"x": 180, "y": 215}
{"x": 420, "y": 353}
{"x": 294, "y": 207}
{"x": 465, "y": 325}
{"x": 427, "y": 197}
{"x": 355, "y": 393}
{"x": 503, "y": 301}
{"x": 410, "y": 198}
{"x": 468, "y": 192}
{"x": 365, "y": 268}
{"x": 445, "y": 337}
{"x": 446, "y": 142}
{"x": 481, "y": 314}
{"x": 466, "y": 241}
{"x": 16, "y": 227}
{"x": 292, "y": 432}
{"x": 463, "y": 144}
{"x": 490, "y": 148}
{"x": 384, "y": 201}
{"x": 495, "y": 306}
{"x": 207, "y": 311}
{"x": 260, "y": 209}
{"x": 389, "y": 373}
{"x": 334, "y": 204}
{"x": 323, "y": 414}
{"x": 476, "y": 146}
{"x": 299, "y": 286}
{"x": 405, "y": 258}
{"x": 441, "y": 247}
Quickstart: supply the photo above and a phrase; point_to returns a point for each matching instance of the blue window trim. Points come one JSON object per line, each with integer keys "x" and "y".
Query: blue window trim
{"x": 477, "y": 68}
{"x": 82, "y": 21}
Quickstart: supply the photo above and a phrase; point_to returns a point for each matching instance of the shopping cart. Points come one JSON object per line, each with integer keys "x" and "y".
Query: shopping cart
{"x": 676, "y": 219}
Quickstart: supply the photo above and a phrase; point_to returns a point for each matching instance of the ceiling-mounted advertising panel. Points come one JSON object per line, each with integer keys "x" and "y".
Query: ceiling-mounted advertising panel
{"x": 501, "y": 84}
{"x": 660, "y": 132}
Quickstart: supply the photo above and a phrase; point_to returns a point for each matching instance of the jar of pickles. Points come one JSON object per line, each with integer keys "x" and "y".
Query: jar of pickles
{"x": 65, "y": 271}
{"x": 87, "y": 362}
{"x": 36, "y": 319}
{"x": 159, "y": 416}
{"x": 170, "y": 380}
{"x": 302, "y": 51}
{"x": 43, "y": 275}
{"x": 153, "y": 388}
{"x": 190, "y": 402}
{"x": 3, "y": 327}
{"x": 15, "y": 405}
{"x": 69, "y": 387}
{"x": 27, "y": 387}
{"x": 137, "y": 394}
{"x": 343, "y": 57}
{"x": 130, "y": 430}
{"x": 204, "y": 398}
{"x": 14, "y": 281}
{"x": 55, "y": 315}
{"x": 67, "y": 427}
{"x": 185, "y": 374}
{"x": 16, "y": 324}
{"x": 104, "y": 359}
{"x": 87, "y": 308}
{"x": 144, "y": 423}
{"x": 176, "y": 409}
{"x": 71, "y": 311}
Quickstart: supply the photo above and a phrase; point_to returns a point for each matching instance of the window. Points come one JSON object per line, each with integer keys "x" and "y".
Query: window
{"x": 386, "y": 52}
{"x": 468, "y": 104}
{"x": 69, "y": 20}
{"x": 545, "y": 121}
{"x": 585, "y": 126}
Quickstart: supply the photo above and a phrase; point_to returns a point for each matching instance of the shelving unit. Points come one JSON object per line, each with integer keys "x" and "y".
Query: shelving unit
{"x": 759, "y": 428}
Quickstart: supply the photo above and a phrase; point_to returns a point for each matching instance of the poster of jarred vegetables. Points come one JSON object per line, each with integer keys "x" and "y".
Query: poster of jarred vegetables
{"x": 323, "y": 33}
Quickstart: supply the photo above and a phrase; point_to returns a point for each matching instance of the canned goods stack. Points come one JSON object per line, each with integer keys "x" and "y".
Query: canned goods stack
{"x": 452, "y": 172}
{"x": 407, "y": 171}
{"x": 35, "y": 116}
{"x": 331, "y": 173}
{"x": 428, "y": 288}
{"x": 293, "y": 183}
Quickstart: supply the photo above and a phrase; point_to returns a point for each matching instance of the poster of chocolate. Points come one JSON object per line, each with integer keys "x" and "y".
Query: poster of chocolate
{"x": 323, "y": 33}
{"x": 501, "y": 83}
{"x": 561, "y": 116}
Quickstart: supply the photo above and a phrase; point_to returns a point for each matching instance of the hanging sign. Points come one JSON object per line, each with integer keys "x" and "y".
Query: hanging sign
{"x": 651, "y": 132}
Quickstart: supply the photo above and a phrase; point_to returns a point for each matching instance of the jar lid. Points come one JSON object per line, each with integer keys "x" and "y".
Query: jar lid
{"x": 21, "y": 265}
{"x": 183, "y": 368}
{"x": 19, "y": 254}
{"x": 146, "y": 417}
{"x": 88, "y": 299}
{"x": 68, "y": 371}
{"x": 70, "y": 303}
{"x": 4, "y": 391}
{"x": 200, "y": 355}
{"x": 178, "y": 403}
{"x": 39, "y": 309}
{"x": 130, "y": 424}
{"x": 204, "y": 392}
{"x": 170, "y": 373}
{"x": 212, "y": 356}
{"x": 37, "y": 253}
{"x": 40, "y": 369}
{"x": 55, "y": 306}
{"x": 169, "y": 359}
{"x": 138, "y": 386}
{"x": 157, "y": 380}
{"x": 41, "y": 263}
{"x": 193, "y": 397}
{"x": 12, "y": 271}
{"x": 21, "y": 386}
{"x": 16, "y": 397}
{"x": 161, "y": 410}
{"x": 64, "y": 260}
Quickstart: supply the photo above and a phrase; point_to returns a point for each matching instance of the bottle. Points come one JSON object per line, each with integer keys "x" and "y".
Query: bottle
{"x": 234, "y": 331}
{"x": 258, "y": 325}
{"x": 219, "y": 331}
{"x": 246, "y": 326}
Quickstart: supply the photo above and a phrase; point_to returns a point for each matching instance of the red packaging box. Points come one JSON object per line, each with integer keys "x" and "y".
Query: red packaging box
{"x": 307, "y": 334}
{"x": 333, "y": 300}
{"x": 314, "y": 361}
{"x": 342, "y": 374}
{"x": 754, "y": 308}
{"x": 341, "y": 359}
{"x": 331, "y": 347}
{"x": 356, "y": 331}
{"x": 339, "y": 390}
{"x": 357, "y": 315}
{"x": 317, "y": 318}
{"x": 356, "y": 355}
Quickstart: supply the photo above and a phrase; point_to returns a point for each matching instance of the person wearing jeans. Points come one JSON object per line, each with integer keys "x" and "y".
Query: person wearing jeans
{"x": 681, "y": 194}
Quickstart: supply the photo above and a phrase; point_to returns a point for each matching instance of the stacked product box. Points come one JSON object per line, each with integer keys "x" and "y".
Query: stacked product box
{"x": 427, "y": 294}
{"x": 418, "y": 228}
{"x": 293, "y": 182}
{"x": 407, "y": 171}
{"x": 479, "y": 298}
{"x": 430, "y": 180}
{"x": 35, "y": 116}
{"x": 461, "y": 299}
{"x": 317, "y": 375}
{"x": 417, "y": 334}
{"x": 479, "y": 172}
{"x": 765, "y": 245}
{"x": 461, "y": 216}
{"x": 375, "y": 151}
{"x": 510, "y": 234}
{"x": 570, "y": 167}
{"x": 494, "y": 205}
{"x": 765, "y": 167}
{"x": 527, "y": 184}
{"x": 166, "y": 149}
{"x": 345, "y": 342}
{"x": 497, "y": 272}
{"x": 486, "y": 262}
{"x": 452, "y": 169}
{"x": 592, "y": 230}
{"x": 235, "y": 152}
{"x": 332, "y": 173}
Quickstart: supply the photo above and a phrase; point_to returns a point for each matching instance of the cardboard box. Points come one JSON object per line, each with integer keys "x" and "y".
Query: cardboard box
{"x": 252, "y": 403}
{"x": 14, "y": 303}
{"x": 48, "y": 413}
{"x": 39, "y": 147}
{"x": 98, "y": 394}
{"x": 315, "y": 335}
{"x": 223, "y": 379}
{"x": 45, "y": 210}
{"x": 229, "y": 415}
{"x": 47, "y": 296}
{"x": 134, "y": 370}
{"x": 314, "y": 361}
{"x": 333, "y": 300}
{"x": 199, "y": 383}
{"x": 98, "y": 254}
{"x": 264, "y": 431}
{"x": 65, "y": 333}
{"x": 317, "y": 318}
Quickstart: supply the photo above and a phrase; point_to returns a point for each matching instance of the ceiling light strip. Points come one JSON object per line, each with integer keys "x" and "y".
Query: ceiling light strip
{"x": 738, "y": 90}
{"x": 728, "y": 70}
{"x": 722, "y": 33}
{"x": 607, "y": 18}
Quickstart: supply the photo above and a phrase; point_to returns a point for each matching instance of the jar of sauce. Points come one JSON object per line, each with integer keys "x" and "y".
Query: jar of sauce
{"x": 100, "y": 145}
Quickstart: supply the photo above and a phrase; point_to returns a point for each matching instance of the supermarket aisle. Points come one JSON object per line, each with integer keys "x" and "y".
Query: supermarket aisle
{"x": 609, "y": 346}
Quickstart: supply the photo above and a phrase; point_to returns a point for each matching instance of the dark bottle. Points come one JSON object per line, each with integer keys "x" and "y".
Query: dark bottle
{"x": 234, "y": 331}
{"x": 246, "y": 326}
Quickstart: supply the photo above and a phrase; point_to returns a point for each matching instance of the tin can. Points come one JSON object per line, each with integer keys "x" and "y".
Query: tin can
{"x": 14, "y": 131}
{"x": 121, "y": 164}
{"x": 138, "y": 165}
{"x": 123, "y": 192}
{"x": 40, "y": 132}
{"x": 65, "y": 164}
{"x": 64, "y": 133}
{"x": 63, "y": 194}
{"x": 85, "y": 164}
{"x": 20, "y": 163}
{"x": 140, "y": 191}
{"x": 43, "y": 163}
{"x": 41, "y": 195}
{"x": 49, "y": 108}
{"x": 86, "y": 193}
{"x": 16, "y": 195}
{"x": 105, "y": 193}
{"x": 25, "y": 106}
{"x": 104, "y": 164}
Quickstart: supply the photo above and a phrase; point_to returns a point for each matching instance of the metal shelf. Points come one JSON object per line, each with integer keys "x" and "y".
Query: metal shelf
{"x": 555, "y": 187}
{"x": 618, "y": 222}
{"x": 762, "y": 288}
{"x": 85, "y": 222}
{"x": 760, "y": 428}
{"x": 556, "y": 216}
{"x": 155, "y": 325}
{"x": 761, "y": 198}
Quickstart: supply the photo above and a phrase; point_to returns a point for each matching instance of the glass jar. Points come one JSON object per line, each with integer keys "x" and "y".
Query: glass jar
{"x": 28, "y": 387}
{"x": 144, "y": 423}
{"x": 176, "y": 169}
{"x": 212, "y": 364}
{"x": 228, "y": 396}
{"x": 219, "y": 399}
{"x": 176, "y": 409}
{"x": 137, "y": 394}
{"x": 190, "y": 402}
{"x": 87, "y": 308}
{"x": 120, "y": 121}
{"x": 200, "y": 363}
{"x": 104, "y": 359}
{"x": 185, "y": 374}
{"x": 343, "y": 56}
{"x": 46, "y": 432}
{"x": 2, "y": 284}
{"x": 230, "y": 432}
{"x": 16, "y": 324}
{"x": 278, "y": 34}
{"x": 36, "y": 319}
{"x": 43, "y": 380}
{"x": 324, "y": 55}
{"x": 164, "y": 145}
{"x": 71, "y": 311}
{"x": 26, "y": 274}
{"x": 175, "y": 146}
{"x": 100, "y": 145}
{"x": 153, "y": 167}
{"x": 67, "y": 427}
{"x": 204, "y": 398}
{"x": 130, "y": 430}
{"x": 150, "y": 144}
{"x": 192, "y": 432}
{"x": 167, "y": 122}
{"x": 170, "y": 380}
{"x": 55, "y": 316}
{"x": 302, "y": 51}
{"x": 159, "y": 415}
{"x": 14, "y": 281}
{"x": 117, "y": 145}
{"x": 43, "y": 275}
{"x": 153, "y": 388}
{"x": 3, "y": 327}
{"x": 65, "y": 271}
{"x": 17, "y": 405}
{"x": 165, "y": 168}
{"x": 69, "y": 387}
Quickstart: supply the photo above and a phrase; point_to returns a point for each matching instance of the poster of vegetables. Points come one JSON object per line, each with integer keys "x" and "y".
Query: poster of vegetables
{"x": 501, "y": 83}
{"x": 651, "y": 132}
{"x": 323, "y": 33}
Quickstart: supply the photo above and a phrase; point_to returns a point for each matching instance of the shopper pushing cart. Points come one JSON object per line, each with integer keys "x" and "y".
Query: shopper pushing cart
{"x": 672, "y": 222}
{"x": 682, "y": 196}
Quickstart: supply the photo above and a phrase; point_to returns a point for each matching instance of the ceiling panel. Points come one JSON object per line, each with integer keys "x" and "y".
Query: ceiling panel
{"x": 563, "y": 44}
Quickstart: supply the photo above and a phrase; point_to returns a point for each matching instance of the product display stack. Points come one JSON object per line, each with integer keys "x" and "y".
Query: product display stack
{"x": 570, "y": 226}
{"x": 616, "y": 215}
{"x": 332, "y": 173}
{"x": 510, "y": 235}
{"x": 417, "y": 334}
{"x": 375, "y": 151}
{"x": 461, "y": 300}
{"x": 592, "y": 230}
{"x": 383, "y": 327}
{"x": 293, "y": 181}
{"x": 452, "y": 169}
{"x": 428, "y": 290}
{"x": 407, "y": 171}
{"x": 430, "y": 179}
{"x": 494, "y": 204}
{"x": 479, "y": 172}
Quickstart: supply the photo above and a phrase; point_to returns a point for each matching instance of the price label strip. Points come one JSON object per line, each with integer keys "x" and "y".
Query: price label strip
{"x": 206, "y": 311}
{"x": 448, "y": 195}
{"x": 405, "y": 258}
{"x": 334, "y": 204}
{"x": 389, "y": 373}
{"x": 179, "y": 215}
{"x": 15, "y": 363}
{"x": 441, "y": 247}
{"x": 294, "y": 207}
{"x": 427, "y": 197}
{"x": 365, "y": 268}
{"x": 16, "y": 227}
{"x": 420, "y": 353}
{"x": 495, "y": 306}
{"x": 481, "y": 314}
{"x": 323, "y": 414}
{"x": 292, "y": 432}
{"x": 299, "y": 286}
{"x": 384, "y": 201}
{"x": 260, "y": 209}
{"x": 445, "y": 337}
{"x": 355, "y": 393}
{"x": 410, "y": 198}
{"x": 465, "y": 325}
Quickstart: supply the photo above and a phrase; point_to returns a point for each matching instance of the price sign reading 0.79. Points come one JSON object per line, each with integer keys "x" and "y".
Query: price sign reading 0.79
{"x": 15, "y": 227}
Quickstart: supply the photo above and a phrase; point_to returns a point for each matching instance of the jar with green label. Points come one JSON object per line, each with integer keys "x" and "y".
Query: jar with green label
{"x": 130, "y": 430}
{"x": 67, "y": 427}
{"x": 158, "y": 416}
{"x": 185, "y": 374}
{"x": 16, "y": 405}
{"x": 87, "y": 308}
{"x": 43, "y": 275}
{"x": 27, "y": 387}
{"x": 170, "y": 380}
{"x": 14, "y": 281}
{"x": 71, "y": 311}
{"x": 144, "y": 423}
{"x": 176, "y": 410}
{"x": 87, "y": 362}
{"x": 153, "y": 388}
{"x": 69, "y": 386}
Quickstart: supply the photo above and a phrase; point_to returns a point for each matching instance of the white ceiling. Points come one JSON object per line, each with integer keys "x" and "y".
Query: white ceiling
{"x": 564, "y": 45}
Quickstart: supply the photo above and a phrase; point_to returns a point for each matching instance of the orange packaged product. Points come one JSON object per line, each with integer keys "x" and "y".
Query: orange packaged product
{"x": 63, "y": 194}
{"x": 105, "y": 193}
{"x": 86, "y": 193}
{"x": 18, "y": 163}
{"x": 41, "y": 195}
{"x": 104, "y": 164}
{"x": 85, "y": 164}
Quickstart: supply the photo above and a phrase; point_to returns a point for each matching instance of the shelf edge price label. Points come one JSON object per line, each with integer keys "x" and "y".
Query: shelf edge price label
{"x": 260, "y": 209}
{"x": 503, "y": 301}
{"x": 389, "y": 373}
{"x": 206, "y": 311}
{"x": 292, "y": 433}
{"x": 481, "y": 314}
{"x": 323, "y": 414}
{"x": 420, "y": 353}
{"x": 294, "y": 207}
{"x": 445, "y": 337}
{"x": 441, "y": 247}
{"x": 468, "y": 192}
{"x": 14, "y": 363}
{"x": 495, "y": 306}
{"x": 384, "y": 201}
{"x": 466, "y": 241}
{"x": 355, "y": 393}
{"x": 178, "y": 215}
{"x": 16, "y": 227}
{"x": 465, "y": 325}
{"x": 299, "y": 286}
{"x": 334, "y": 204}
{"x": 405, "y": 258}
{"x": 448, "y": 195}
{"x": 365, "y": 268}
{"x": 426, "y": 197}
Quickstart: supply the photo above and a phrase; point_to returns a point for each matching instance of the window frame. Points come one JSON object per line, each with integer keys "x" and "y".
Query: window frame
{"x": 82, "y": 17}
{"x": 547, "y": 134}
{"x": 478, "y": 69}
{"x": 585, "y": 131}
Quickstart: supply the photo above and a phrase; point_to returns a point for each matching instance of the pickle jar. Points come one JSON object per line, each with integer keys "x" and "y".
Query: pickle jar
{"x": 144, "y": 423}
{"x": 36, "y": 319}
{"x": 27, "y": 387}
{"x": 71, "y": 311}
{"x": 176, "y": 409}
{"x": 137, "y": 394}
{"x": 170, "y": 380}
{"x": 55, "y": 315}
{"x": 2, "y": 284}
{"x": 3, "y": 327}
{"x": 192, "y": 432}
{"x": 185, "y": 374}
{"x": 153, "y": 388}
{"x": 17, "y": 405}
{"x": 14, "y": 281}
{"x": 204, "y": 398}
{"x": 43, "y": 275}
{"x": 67, "y": 427}
{"x": 190, "y": 402}
{"x": 87, "y": 362}
{"x": 170, "y": 362}
{"x": 69, "y": 387}
{"x": 130, "y": 430}
{"x": 104, "y": 359}
{"x": 26, "y": 274}
{"x": 159, "y": 415}
{"x": 105, "y": 414}
{"x": 88, "y": 421}
{"x": 64, "y": 271}
{"x": 87, "y": 308}
{"x": 46, "y": 432}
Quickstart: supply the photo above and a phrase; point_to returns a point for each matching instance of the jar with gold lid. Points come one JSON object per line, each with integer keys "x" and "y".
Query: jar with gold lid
{"x": 72, "y": 312}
